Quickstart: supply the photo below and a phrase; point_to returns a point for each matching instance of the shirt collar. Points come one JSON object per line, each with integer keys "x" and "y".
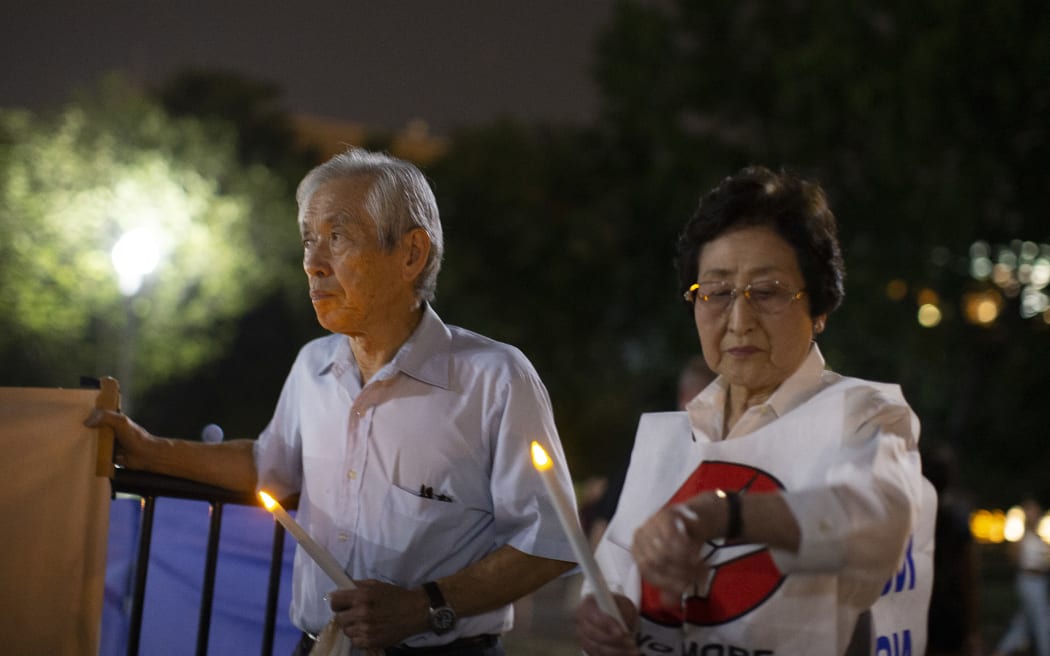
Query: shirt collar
{"x": 707, "y": 409}
{"x": 425, "y": 355}
{"x": 800, "y": 385}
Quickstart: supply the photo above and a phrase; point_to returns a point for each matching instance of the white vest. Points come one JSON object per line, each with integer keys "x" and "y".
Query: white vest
{"x": 749, "y": 608}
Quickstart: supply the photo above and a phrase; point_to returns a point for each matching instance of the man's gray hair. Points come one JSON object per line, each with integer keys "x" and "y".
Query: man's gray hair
{"x": 399, "y": 200}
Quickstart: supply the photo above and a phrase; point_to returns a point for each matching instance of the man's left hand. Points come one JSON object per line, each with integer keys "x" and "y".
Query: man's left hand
{"x": 378, "y": 615}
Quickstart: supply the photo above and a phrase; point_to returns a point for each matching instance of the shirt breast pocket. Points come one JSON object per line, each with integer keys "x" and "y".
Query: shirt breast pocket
{"x": 421, "y": 536}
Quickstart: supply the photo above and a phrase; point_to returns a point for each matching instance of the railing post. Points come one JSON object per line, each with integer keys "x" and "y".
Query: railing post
{"x": 141, "y": 566}
{"x": 273, "y": 590}
{"x": 208, "y": 586}
{"x": 149, "y": 487}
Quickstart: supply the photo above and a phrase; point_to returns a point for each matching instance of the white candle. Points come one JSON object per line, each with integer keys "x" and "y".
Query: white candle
{"x": 320, "y": 555}
{"x": 570, "y": 523}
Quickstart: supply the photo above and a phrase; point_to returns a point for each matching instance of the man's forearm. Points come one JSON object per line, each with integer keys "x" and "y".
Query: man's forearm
{"x": 498, "y": 579}
{"x": 229, "y": 465}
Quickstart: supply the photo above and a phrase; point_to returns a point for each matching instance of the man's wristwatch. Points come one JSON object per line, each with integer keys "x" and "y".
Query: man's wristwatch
{"x": 442, "y": 617}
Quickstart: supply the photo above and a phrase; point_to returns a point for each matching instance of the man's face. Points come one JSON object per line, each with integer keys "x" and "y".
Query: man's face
{"x": 355, "y": 285}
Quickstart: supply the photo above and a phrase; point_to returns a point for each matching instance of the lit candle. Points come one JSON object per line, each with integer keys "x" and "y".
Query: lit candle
{"x": 320, "y": 555}
{"x": 571, "y": 525}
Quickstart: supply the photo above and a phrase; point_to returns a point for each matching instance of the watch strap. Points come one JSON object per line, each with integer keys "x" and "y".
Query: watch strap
{"x": 434, "y": 596}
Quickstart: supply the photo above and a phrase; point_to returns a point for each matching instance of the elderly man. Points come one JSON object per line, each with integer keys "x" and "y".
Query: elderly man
{"x": 406, "y": 438}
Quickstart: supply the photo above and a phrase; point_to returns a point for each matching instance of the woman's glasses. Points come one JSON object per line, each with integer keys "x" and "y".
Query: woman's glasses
{"x": 765, "y": 296}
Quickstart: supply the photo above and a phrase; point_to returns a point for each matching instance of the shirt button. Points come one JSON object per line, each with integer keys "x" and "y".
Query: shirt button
{"x": 343, "y": 537}
{"x": 352, "y": 474}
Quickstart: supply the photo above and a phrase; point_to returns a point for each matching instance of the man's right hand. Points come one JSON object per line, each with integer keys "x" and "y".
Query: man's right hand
{"x": 229, "y": 464}
{"x": 602, "y": 635}
{"x": 132, "y": 440}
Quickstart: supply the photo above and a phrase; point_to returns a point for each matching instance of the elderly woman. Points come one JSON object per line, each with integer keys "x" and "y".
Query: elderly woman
{"x": 769, "y": 516}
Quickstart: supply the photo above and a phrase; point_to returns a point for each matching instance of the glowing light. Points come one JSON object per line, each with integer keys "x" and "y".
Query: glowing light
{"x": 981, "y": 268}
{"x": 1024, "y": 273}
{"x": 135, "y": 256}
{"x": 928, "y": 297}
{"x": 982, "y": 307}
{"x": 929, "y": 315}
{"x": 1043, "y": 528}
{"x": 1040, "y": 275}
{"x": 1033, "y": 302}
{"x": 982, "y": 525}
{"x": 896, "y": 289}
{"x": 540, "y": 460}
{"x": 1013, "y": 529}
{"x": 267, "y": 500}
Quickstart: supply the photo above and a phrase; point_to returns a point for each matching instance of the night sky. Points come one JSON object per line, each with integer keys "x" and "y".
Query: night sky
{"x": 450, "y": 62}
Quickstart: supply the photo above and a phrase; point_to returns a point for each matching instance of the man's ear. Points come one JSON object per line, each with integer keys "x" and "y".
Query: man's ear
{"x": 415, "y": 246}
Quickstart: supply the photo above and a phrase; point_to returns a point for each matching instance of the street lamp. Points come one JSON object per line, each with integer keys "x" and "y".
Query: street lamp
{"x": 135, "y": 255}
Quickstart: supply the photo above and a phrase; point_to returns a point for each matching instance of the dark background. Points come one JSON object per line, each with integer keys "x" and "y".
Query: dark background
{"x": 576, "y": 140}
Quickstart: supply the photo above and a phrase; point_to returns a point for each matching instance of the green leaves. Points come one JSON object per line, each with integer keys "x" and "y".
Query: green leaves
{"x": 71, "y": 184}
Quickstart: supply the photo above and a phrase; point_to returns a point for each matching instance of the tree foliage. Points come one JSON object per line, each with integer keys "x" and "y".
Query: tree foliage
{"x": 926, "y": 123}
{"x": 71, "y": 184}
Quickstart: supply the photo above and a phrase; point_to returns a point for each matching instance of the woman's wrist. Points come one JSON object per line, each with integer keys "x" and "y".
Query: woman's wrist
{"x": 734, "y": 525}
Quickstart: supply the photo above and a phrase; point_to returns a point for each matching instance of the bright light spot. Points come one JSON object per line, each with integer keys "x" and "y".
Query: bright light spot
{"x": 896, "y": 289}
{"x": 1029, "y": 250}
{"x": 267, "y": 500}
{"x": 540, "y": 460}
{"x": 982, "y": 307}
{"x": 928, "y": 297}
{"x": 987, "y": 526}
{"x": 929, "y": 315}
{"x": 135, "y": 255}
{"x": 1002, "y": 274}
{"x": 1024, "y": 273}
{"x": 979, "y": 249}
{"x": 1040, "y": 275}
{"x": 1042, "y": 529}
{"x": 1033, "y": 302}
{"x": 1008, "y": 259}
{"x": 1013, "y": 530}
{"x": 981, "y": 268}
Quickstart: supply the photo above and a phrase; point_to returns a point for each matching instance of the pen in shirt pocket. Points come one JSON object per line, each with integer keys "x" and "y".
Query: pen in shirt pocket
{"x": 427, "y": 492}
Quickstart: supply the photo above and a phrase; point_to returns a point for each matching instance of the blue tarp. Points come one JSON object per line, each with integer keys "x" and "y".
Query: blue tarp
{"x": 176, "y": 574}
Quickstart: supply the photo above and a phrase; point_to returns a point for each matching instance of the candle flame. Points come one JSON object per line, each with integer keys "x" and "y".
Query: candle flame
{"x": 267, "y": 500}
{"x": 540, "y": 460}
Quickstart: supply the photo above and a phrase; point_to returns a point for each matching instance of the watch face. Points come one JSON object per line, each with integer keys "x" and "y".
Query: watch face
{"x": 442, "y": 619}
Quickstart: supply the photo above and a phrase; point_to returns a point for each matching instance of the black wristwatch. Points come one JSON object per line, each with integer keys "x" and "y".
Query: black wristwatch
{"x": 442, "y": 617}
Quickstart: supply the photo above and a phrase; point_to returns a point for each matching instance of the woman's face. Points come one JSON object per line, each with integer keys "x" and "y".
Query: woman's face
{"x": 751, "y": 349}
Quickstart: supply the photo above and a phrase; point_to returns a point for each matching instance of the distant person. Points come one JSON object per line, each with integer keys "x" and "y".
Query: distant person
{"x": 953, "y": 626}
{"x": 406, "y": 438}
{"x": 1032, "y": 556}
{"x": 770, "y": 514}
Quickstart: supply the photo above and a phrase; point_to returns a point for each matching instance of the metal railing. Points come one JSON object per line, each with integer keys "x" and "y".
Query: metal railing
{"x": 150, "y": 487}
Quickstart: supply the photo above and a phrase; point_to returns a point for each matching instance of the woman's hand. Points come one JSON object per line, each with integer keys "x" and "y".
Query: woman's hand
{"x": 601, "y": 635}
{"x": 667, "y": 547}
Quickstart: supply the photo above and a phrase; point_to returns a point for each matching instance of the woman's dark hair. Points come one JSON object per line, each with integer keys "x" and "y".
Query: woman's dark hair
{"x": 795, "y": 208}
